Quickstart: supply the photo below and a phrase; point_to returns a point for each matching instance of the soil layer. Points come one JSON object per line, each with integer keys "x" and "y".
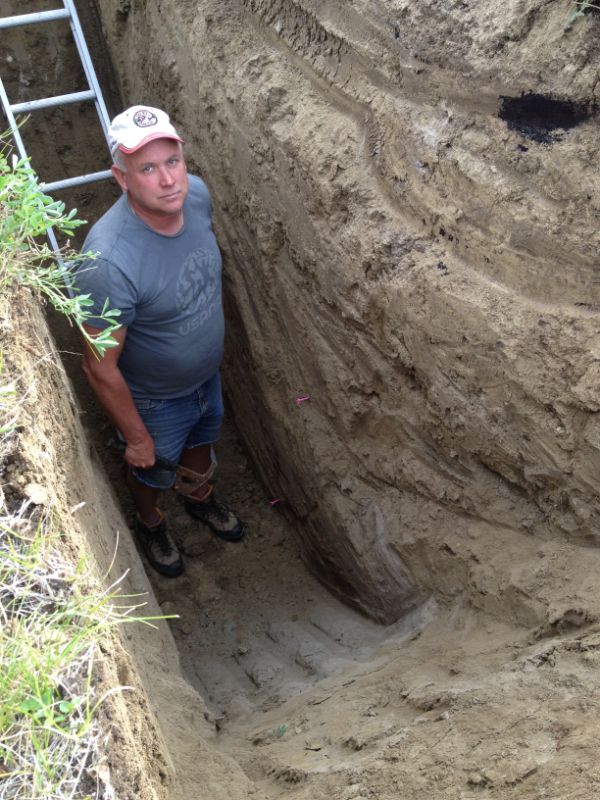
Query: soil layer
{"x": 425, "y": 275}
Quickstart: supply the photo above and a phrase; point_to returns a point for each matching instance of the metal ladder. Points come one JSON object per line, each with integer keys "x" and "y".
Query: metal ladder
{"x": 93, "y": 93}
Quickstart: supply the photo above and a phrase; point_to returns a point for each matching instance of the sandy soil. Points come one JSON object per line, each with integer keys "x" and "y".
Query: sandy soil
{"x": 315, "y": 701}
{"x": 451, "y": 424}
{"x": 397, "y": 247}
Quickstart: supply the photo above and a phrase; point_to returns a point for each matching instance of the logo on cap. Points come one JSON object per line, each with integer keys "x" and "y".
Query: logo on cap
{"x": 144, "y": 118}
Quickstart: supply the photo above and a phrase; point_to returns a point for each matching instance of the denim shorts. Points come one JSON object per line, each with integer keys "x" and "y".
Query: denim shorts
{"x": 177, "y": 424}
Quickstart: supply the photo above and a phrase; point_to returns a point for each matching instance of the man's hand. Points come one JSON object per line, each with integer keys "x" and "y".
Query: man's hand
{"x": 108, "y": 383}
{"x": 140, "y": 454}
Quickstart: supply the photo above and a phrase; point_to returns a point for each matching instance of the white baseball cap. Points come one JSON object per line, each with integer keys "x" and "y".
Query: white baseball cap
{"x": 137, "y": 126}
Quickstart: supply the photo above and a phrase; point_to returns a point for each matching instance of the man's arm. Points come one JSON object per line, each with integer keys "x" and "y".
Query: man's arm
{"x": 107, "y": 382}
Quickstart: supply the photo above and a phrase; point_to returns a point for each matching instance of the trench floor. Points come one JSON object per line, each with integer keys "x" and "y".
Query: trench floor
{"x": 316, "y": 702}
{"x": 255, "y": 627}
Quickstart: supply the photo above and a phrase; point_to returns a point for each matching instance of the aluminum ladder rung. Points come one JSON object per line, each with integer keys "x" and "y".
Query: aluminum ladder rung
{"x": 93, "y": 93}
{"x": 52, "y": 102}
{"x": 80, "y": 180}
{"x": 31, "y": 19}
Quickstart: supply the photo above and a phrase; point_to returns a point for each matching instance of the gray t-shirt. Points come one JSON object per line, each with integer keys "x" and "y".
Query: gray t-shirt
{"x": 168, "y": 289}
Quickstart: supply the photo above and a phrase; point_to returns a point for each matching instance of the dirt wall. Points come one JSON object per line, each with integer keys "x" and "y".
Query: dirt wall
{"x": 424, "y": 269}
{"x": 156, "y": 733}
{"x": 410, "y": 242}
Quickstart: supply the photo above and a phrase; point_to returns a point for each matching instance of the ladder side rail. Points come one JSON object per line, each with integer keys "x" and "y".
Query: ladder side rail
{"x": 12, "y": 122}
{"x": 14, "y": 129}
{"x": 88, "y": 67}
{"x": 59, "y": 260}
{"x": 68, "y": 12}
{"x": 32, "y": 19}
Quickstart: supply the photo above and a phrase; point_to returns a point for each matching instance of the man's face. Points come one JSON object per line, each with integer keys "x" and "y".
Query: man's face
{"x": 155, "y": 178}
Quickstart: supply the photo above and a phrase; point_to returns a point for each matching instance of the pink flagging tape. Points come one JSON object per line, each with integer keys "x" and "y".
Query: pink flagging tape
{"x": 274, "y": 502}
{"x": 301, "y": 399}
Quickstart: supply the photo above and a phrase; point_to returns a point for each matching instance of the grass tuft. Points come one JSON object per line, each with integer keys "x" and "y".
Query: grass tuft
{"x": 26, "y": 260}
{"x": 581, "y": 9}
{"x": 51, "y": 623}
{"x": 53, "y": 616}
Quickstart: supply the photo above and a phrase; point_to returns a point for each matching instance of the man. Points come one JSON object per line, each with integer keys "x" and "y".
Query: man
{"x": 158, "y": 262}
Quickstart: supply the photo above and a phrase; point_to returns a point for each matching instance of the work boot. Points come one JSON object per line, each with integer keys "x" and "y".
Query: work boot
{"x": 222, "y": 522}
{"x": 160, "y": 549}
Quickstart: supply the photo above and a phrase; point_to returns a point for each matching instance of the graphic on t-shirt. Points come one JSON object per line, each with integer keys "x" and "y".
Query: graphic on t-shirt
{"x": 197, "y": 293}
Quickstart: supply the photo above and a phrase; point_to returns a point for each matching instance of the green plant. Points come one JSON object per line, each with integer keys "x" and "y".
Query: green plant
{"x": 52, "y": 619}
{"x": 582, "y": 6}
{"x": 53, "y": 615}
{"x": 26, "y": 259}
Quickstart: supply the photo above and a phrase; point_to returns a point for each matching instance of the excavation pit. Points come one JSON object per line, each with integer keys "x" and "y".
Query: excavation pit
{"x": 442, "y": 477}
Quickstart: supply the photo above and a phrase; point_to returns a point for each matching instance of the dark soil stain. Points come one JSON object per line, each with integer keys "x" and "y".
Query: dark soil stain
{"x": 537, "y": 116}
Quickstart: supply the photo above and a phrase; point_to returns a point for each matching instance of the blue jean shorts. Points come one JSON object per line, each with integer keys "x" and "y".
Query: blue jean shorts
{"x": 178, "y": 424}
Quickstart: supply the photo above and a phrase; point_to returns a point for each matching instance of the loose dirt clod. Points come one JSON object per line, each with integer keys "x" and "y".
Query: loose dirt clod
{"x": 539, "y": 117}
